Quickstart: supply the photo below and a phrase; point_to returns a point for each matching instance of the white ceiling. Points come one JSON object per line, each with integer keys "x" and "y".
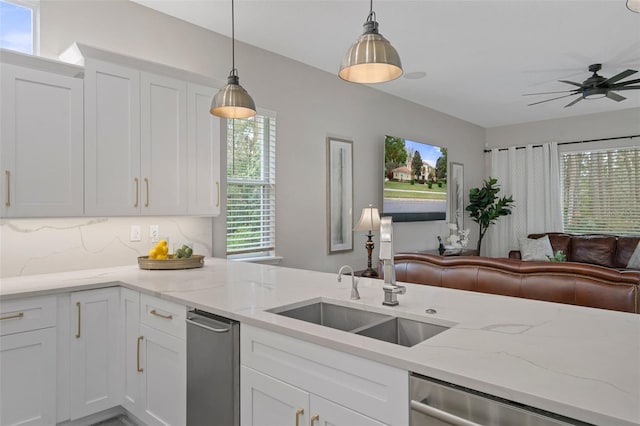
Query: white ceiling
{"x": 479, "y": 56}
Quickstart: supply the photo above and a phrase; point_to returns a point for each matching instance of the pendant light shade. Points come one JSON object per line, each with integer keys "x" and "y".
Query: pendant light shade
{"x": 232, "y": 101}
{"x": 371, "y": 59}
{"x": 633, "y": 5}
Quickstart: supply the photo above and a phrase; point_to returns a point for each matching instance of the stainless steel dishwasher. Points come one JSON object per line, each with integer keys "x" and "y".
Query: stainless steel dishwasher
{"x": 213, "y": 370}
{"x": 437, "y": 403}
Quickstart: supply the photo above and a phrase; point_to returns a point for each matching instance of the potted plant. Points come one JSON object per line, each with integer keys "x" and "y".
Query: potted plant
{"x": 484, "y": 209}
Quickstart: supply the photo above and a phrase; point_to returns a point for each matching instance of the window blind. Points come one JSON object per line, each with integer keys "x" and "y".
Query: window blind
{"x": 251, "y": 192}
{"x": 601, "y": 191}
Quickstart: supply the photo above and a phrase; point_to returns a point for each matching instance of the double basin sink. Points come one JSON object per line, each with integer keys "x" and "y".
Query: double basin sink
{"x": 388, "y": 328}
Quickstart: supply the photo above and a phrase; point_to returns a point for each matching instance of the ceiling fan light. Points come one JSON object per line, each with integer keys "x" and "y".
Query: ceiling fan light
{"x": 371, "y": 59}
{"x": 595, "y": 93}
{"x": 233, "y": 101}
{"x": 633, "y": 5}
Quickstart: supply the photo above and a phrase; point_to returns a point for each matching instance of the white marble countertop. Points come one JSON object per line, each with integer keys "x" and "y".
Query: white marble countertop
{"x": 579, "y": 362}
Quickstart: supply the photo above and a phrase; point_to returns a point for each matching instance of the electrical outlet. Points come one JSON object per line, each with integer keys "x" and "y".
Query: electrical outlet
{"x": 134, "y": 234}
{"x": 154, "y": 233}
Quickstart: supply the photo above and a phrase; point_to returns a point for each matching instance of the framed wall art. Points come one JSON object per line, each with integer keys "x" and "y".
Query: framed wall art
{"x": 339, "y": 195}
{"x": 456, "y": 203}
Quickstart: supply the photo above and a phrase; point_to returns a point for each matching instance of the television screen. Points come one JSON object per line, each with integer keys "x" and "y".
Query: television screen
{"x": 415, "y": 180}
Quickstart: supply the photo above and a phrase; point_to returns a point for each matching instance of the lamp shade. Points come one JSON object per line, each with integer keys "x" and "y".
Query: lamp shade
{"x": 369, "y": 220}
{"x": 371, "y": 59}
{"x": 232, "y": 101}
{"x": 633, "y": 5}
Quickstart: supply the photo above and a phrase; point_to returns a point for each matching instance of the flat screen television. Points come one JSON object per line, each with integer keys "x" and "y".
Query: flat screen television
{"x": 415, "y": 180}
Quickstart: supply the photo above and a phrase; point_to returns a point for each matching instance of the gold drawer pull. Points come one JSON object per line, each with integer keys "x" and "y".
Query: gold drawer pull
{"x": 298, "y": 414}
{"x": 137, "y": 192}
{"x": 18, "y": 315}
{"x": 315, "y": 418}
{"x": 78, "y": 333}
{"x": 140, "y": 369}
{"x": 153, "y": 312}
{"x": 8, "y": 202}
{"x": 218, "y": 190}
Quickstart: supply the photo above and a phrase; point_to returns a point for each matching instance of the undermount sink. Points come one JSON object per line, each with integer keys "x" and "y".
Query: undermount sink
{"x": 388, "y": 328}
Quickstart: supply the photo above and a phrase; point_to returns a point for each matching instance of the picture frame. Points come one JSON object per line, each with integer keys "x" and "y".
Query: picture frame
{"x": 456, "y": 201}
{"x": 339, "y": 195}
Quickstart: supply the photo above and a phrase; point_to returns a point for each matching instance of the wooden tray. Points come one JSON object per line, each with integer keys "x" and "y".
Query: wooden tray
{"x": 195, "y": 261}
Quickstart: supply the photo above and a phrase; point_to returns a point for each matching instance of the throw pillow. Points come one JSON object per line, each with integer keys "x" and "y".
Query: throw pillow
{"x": 536, "y": 249}
{"x": 634, "y": 260}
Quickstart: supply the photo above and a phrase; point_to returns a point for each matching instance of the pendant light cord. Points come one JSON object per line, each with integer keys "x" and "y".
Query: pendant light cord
{"x": 233, "y": 41}
{"x": 372, "y": 14}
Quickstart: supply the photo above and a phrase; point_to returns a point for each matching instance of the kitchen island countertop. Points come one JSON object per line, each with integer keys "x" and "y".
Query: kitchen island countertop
{"x": 579, "y": 362}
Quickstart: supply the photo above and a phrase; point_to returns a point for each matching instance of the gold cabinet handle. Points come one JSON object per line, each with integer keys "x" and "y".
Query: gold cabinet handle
{"x": 146, "y": 184}
{"x": 218, "y": 190}
{"x": 140, "y": 369}
{"x": 8, "y": 202}
{"x": 315, "y": 418}
{"x": 154, "y": 312}
{"x": 298, "y": 414}
{"x": 18, "y": 315}
{"x": 137, "y": 191}
{"x": 78, "y": 332}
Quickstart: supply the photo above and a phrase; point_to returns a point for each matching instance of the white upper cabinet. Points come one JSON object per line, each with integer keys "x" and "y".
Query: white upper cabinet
{"x": 112, "y": 140}
{"x": 41, "y": 142}
{"x": 203, "y": 152}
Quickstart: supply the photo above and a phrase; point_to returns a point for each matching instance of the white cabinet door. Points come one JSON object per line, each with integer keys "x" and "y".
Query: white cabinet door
{"x": 94, "y": 351}
{"x": 266, "y": 401}
{"x": 28, "y": 378}
{"x": 327, "y": 413}
{"x": 132, "y": 350}
{"x": 163, "y": 145}
{"x": 164, "y": 383}
{"x": 112, "y": 140}
{"x": 204, "y": 152}
{"x": 41, "y": 143}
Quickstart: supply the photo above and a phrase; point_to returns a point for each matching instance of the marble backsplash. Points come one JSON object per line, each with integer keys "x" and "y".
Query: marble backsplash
{"x": 37, "y": 246}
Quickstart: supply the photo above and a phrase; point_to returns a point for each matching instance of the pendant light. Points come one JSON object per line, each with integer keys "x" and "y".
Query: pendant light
{"x": 232, "y": 101}
{"x": 371, "y": 59}
{"x": 633, "y": 5}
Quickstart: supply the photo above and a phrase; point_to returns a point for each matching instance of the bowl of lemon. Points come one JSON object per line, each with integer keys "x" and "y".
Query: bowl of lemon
{"x": 160, "y": 258}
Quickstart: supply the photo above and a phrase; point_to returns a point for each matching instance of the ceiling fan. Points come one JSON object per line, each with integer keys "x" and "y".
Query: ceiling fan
{"x": 594, "y": 87}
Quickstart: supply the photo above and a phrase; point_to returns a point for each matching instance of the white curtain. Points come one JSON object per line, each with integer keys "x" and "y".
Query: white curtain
{"x": 532, "y": 176}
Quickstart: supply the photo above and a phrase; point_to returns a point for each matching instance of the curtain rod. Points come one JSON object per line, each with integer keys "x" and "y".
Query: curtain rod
{"x": 571, "y": 143}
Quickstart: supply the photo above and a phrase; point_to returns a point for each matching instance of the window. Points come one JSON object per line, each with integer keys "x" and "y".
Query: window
{"x": 251, "y": 178}
{"x": 601, "y": 191}
{"x": 19, "y": 25}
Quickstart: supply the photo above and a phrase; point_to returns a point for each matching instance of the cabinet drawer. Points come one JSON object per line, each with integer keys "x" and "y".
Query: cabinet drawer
{"x": 371, "y": 388}
{"x": 32, "y": 313}
{"x": 163, "y": 315}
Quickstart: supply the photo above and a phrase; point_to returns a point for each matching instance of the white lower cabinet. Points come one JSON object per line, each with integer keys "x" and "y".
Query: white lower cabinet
{"x": 267, "y": 401}
{"x": 155, "y": 359}
{"x": 286, "y": 381}
{"x": 28, "y": 361}
{"x": 94, "y": 351}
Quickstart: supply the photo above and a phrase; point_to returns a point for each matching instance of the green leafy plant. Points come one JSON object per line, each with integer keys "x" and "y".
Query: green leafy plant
{"x": 485, "y": 207}
{"x": 558, "y": 257}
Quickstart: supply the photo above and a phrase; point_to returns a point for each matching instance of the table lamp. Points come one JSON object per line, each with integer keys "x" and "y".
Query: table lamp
{"x": 369, "y": 221}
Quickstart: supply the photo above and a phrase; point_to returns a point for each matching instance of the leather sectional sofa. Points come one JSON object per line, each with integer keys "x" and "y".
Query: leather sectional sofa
{"x": 562, "y": 282}
{"x": 605, "y": 250}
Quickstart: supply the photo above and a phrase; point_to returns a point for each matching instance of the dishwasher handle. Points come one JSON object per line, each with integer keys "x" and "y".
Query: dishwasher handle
{"x": 436, "y": 413}
{"x": 215, "y": 330}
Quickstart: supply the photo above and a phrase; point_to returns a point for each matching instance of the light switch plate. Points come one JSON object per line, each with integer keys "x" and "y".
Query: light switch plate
{"x": 134, "y": 234}
{"x": 154, "y": 233}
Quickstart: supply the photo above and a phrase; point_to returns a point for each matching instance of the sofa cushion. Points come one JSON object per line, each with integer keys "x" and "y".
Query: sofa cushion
{"x": 594, "y": 249}
{"x": 558, "y": 240}
{"x": 624, "y": 250}
{"x": 634, "y": 260}
{"x": 536, "y": 249}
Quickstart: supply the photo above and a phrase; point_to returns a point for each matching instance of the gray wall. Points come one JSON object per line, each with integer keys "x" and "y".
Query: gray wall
{"x": 310, "y": 105}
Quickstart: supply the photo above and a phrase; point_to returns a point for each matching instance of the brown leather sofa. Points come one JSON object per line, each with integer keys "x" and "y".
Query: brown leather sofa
{"x": 561, "y": 282}
{"x": 598, "y": 249}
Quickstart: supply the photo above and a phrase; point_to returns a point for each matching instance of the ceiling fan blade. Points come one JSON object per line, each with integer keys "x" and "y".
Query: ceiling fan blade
{"x": 623, "y": 74}
{"x": 625, "y": 88}
{"x": 625, "y": 83}
{"x": 551, "y": 93}
{"x": 571, "y": 82}
{"x": 552, "y": 99}
{"x": 615, "y": 96}
{"x": 575, "y": 101}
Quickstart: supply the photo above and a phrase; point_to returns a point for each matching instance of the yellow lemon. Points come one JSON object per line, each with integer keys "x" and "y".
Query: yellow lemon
{"x": 153, "y": 253}
{"x": 162, "y": 242}
{"x": 165, "y": 250}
